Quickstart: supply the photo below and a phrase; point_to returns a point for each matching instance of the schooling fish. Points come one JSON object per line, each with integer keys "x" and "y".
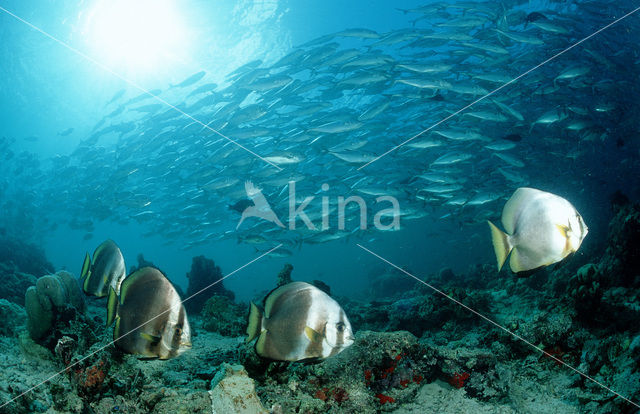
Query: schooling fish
{"x": 190, "y": 80}
{"x": 150, "y": 318}
{"x": 66, "y": 132}
{"x": 106, "y": 270}
{"x": 300, "y": 322}
{"x": 542, "y": 229}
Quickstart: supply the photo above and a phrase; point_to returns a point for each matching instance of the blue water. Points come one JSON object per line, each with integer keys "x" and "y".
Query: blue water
{"x": 48, "y": 88}
{"x": 108, "y": 130}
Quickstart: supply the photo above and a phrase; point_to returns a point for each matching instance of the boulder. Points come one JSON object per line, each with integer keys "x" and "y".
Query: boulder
{"x": 232, "y": 391}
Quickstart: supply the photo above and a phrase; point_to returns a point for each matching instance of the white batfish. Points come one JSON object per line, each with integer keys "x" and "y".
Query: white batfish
{"x": 541, "y": 229}
{"x": 300, "y": 322}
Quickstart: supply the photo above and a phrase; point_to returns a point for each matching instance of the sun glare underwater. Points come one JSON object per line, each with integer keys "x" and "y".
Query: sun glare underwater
{"x": 273, "y": 206}
{"x": 137, "y": 36}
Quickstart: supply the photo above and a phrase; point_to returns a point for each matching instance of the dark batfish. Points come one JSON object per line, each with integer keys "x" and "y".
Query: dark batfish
{"x": 107, "y": 269}
{"x": 150, "y": 318}
{"x": 300, "y": 322}
{"x": 190, "y": 80}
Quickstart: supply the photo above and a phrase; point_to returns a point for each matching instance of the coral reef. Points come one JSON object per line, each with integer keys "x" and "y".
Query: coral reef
{"x": 24, "y": 257}
{"x": 54, "y": 298}
{"x": 14, "y": 283}
{"x": 380, "y": 367}
{"x": 142, "y": 262}
{"x": 322, "y": 286}
{"x": 284, "y": 276}
{"x": 220, "y": 314}
{"x": 385, "y": 282}
{"x": 415, "y": 350}
{"x": 204, "y": 274}
{"x": 12, "y": 317}
{"x": 621, "y": 260}
{"x": 612, "y": 285}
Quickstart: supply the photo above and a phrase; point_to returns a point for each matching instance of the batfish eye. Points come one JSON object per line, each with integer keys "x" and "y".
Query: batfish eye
{"x": 178, "y": 331}
{"x": 340, "y": 326}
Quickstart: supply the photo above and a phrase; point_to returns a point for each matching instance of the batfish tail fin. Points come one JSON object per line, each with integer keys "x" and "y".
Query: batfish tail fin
{"x": 501, "y": 244}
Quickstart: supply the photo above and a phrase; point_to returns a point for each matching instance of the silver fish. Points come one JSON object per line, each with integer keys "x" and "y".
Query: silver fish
{"x": 107, "y": 270}
{"x": 300, "y": 322}
{"x": 150, "y": 318}
{"x": 541, "y": 229}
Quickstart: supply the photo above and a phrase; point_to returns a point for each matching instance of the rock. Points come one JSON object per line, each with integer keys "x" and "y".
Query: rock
{"x": 232, "y": 391}
{"x": 12, "y": 317}
{"x": 179, "y": 403}
{"x": 31, "y": 349}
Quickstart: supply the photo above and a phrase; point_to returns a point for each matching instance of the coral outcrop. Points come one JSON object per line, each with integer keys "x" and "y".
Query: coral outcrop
{"x": 284, "y": 276}
{"x": 222, "y": 315}
{"x": 24, "y": 257}
{"x": 206, "y": 278}
{"x": 415, "y": 349}
{"x": 612, "y": 285}
{"x": 54, "y": 298}
{"x": 14, "y": 283}
{"x": 12, "y": 317}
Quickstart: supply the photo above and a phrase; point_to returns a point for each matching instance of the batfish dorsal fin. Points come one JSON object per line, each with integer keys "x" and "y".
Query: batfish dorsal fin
{"x": 100, "y": 248}
{"x": 275, "y": 294}
{"x": 129, "y": 280}
{"x": 271, "y": 299}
